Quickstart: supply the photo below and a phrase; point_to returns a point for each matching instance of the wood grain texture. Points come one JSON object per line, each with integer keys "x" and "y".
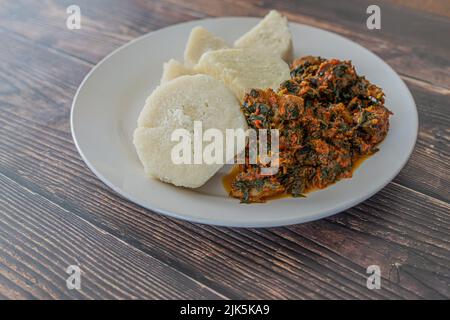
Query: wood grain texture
{"x": 36, "y": 249}
{"x": 50, "y": 203}
{"x": 439, "y": 7}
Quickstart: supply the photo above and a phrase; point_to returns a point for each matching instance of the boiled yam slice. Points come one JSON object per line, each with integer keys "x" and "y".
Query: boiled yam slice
{"x": 177, "y": 104}
{"x": 242, "y": 70}
{"x": 199, "y": 42}
{"x": 174, "y": 69}
{"x": 271, "y": 35}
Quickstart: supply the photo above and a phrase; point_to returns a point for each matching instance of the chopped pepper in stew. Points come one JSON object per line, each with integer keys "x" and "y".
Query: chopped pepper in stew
{"x": 328, "y": 118}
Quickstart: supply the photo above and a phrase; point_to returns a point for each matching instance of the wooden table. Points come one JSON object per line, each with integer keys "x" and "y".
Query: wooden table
{"x": 54, "y": 212}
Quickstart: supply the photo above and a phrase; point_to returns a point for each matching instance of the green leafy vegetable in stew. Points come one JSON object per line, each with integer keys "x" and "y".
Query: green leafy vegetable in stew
{"x": 328, "y": 118}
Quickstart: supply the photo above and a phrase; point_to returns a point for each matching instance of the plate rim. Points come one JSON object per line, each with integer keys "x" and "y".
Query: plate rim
{"x": 226, "y": 223}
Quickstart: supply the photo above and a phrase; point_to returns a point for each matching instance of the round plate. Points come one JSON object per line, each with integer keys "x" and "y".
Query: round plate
{"x": 107, "y": 104}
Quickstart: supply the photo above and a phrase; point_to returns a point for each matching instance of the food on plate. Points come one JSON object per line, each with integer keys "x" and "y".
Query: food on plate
{"x": 199, "y": 42}
{"x": 328, "y": 117}
{"x": 271, "y": 35}
{"x": 174, "y": 69}
{"x": 199, "y": 90}
{"x": 176, "y": 105}
{"x": 242, "y": 70}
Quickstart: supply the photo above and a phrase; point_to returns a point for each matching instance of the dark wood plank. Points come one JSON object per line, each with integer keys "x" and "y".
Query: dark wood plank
{"x": 31, "y": 166}
{"x": 403, "y": 41}
{"x": 106, "y": 24}
{"x": 222, "y": 262}
{"x": 439, "y": 7}
{"x": 403, "y": 228}
{"x": 39, "y": 240}
{"x": 435, "y": 184}
{"x": 47, "y": 103}
{"x": 428, "y": 169}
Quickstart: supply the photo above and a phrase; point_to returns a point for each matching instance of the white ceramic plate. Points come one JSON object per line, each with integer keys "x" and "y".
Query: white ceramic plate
{"x": 107, "y": 104}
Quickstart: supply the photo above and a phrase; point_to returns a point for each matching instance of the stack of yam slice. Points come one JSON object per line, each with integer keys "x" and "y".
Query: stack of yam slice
{"x": 209, "y": 86}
